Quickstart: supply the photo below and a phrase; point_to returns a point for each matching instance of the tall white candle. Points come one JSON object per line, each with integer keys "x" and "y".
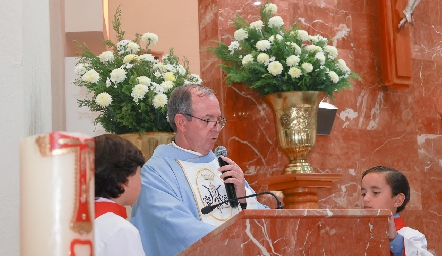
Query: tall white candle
{"x": 57, "y": 194}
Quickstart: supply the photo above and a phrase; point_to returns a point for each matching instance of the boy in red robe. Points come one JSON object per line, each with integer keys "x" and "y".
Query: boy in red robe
{"x": 386, "y": 188}
{"x": 117, "y": 183}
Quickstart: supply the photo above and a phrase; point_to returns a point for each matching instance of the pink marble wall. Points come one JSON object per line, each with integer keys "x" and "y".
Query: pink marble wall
{"x": 374, "y": 125}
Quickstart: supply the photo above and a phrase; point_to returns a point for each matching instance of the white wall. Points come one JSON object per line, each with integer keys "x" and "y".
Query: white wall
{"x": 30, "y": 45}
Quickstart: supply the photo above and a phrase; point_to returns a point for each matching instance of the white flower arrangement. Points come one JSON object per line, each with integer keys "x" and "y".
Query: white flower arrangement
{"x": 269, "y": 58}
{"x": 127, "y": 85}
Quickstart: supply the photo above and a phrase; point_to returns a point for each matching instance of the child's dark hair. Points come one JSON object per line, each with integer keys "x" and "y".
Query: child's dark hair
{"x": 396, "y": 180}
{"x": 116, "y": 159}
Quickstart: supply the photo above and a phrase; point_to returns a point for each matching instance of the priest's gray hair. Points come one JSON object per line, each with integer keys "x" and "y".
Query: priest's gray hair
{"x": 180, "y": 101}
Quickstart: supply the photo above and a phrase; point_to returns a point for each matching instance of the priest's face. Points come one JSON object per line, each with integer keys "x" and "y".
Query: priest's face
{"x": 201, "y": 135}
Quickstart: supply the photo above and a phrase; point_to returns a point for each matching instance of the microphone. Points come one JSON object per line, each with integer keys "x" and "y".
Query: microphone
{"x": 230, "y": 187}
{"x": 210, "y": 208}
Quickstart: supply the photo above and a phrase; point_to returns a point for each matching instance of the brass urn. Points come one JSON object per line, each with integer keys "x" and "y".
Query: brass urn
{"x": 148, "y": 141}
{"x": 296, "y": 121}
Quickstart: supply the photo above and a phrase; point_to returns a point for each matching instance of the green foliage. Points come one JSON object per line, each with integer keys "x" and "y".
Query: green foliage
{"x": 269, "y": 58}
{"x": 127, "y": 85}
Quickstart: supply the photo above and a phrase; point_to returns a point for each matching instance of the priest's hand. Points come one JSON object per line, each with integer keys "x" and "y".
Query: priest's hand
{"x": 236, "y": 177}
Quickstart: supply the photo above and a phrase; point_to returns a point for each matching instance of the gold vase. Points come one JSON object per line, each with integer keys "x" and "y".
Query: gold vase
{"x": 147, "y": 142}
{"x": 295, "y": 120}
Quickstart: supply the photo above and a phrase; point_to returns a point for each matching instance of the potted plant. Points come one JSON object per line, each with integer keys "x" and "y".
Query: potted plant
{"x": 129, "y": 87}
{"x": 293, "y": 70}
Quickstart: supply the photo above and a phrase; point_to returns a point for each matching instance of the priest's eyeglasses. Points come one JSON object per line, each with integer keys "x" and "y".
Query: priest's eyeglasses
{"x": 220, "y": 120}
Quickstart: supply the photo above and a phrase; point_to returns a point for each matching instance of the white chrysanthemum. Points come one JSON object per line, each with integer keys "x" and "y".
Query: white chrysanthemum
{"x": 332, "y": 51}
{"x": 313, "y": 39}
{"x": 275, "y": 68}
{"x": 150, "y": 38}
{"x": 160, "y": 100}
{"x": 297, "y": 48}
{"x": 181, "y": 70}
{"x": 240, "y": 34}
{"x": 313, "y": 48}
{"x": 108, "y": 82}
{"x": 278, "y": 38}
{"x": 80, "y": 69}
{"x": 133, "y": 47}
{"x": 295, "y": 72}
{"x": 302, "y": 35}
{"x": 333, "y": 76}
{"x": 321, "y": 57}
{"x": 308, "y": 67}
{"x": 167, "y": 85}
{"x": 262, "y": 58}
{"x": 342, "y": 66}
{"x": 143, "y": 80}
{"x": 106, "y": 57}
{"x": 292, "y": 60}
{"x": 121, "y": 46}
{"x": 263, "y": 45}
{"x": 128, "y": 58}
{"x": 248, "y": 58}
{"x": 147, "y": 57}
{"x": 276, "y": 22}
{"x": 118, "y": 75}
{"x": 169, "y": 76}
{"x": 272, "y": 8}
{"x": 91, "y": 76}
{"x": 194, "y": 78}
{"x": 257, "y": 24}
{"x": 234, "y": 46}
{"x": 139, "y": 91}
{"x": 103, "y": 99}
{"x": 160, "y": 67}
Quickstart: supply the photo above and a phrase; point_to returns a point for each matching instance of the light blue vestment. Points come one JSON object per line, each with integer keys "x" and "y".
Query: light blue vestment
{"x": 166, "y": 213}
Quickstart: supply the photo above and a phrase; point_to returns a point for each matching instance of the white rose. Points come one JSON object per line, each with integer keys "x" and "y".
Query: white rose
{"x": 240, "y": 34}
{"x": 307, "y": 67}
{"x": 263, "y": 45}
{"x": 103, "y": 99}
{"x": 262, "y": 57}
{"x": 333, "y": 76}
{"x": 257, "y": 24}
{"x": 276, "y": 22}
{"x": 150, "y": 38}
{"x": 332, "y": 51}
{"x": 160, "y": 100}
{"x": 91, "y": 77}
{"x": 292, "y": 60}
{"x": 118, "y": 75}
{"x": 248, "y": 58}
{"x": 275, "y": 68}
{"x": 295, "y": 72}
{"x": 143, "y": 80}
{"x": 272, "y": 8}
{"x": 106, "y": 57}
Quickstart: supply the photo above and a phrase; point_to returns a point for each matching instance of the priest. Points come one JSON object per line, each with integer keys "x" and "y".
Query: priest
{"x": 183, "y": 177}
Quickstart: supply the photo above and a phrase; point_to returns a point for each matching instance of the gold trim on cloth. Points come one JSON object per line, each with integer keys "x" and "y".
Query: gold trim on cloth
{"x": 208, "y": 188}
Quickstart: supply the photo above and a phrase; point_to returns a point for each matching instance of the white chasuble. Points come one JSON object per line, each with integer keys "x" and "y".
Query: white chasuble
{"x": 208, "y": 189}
